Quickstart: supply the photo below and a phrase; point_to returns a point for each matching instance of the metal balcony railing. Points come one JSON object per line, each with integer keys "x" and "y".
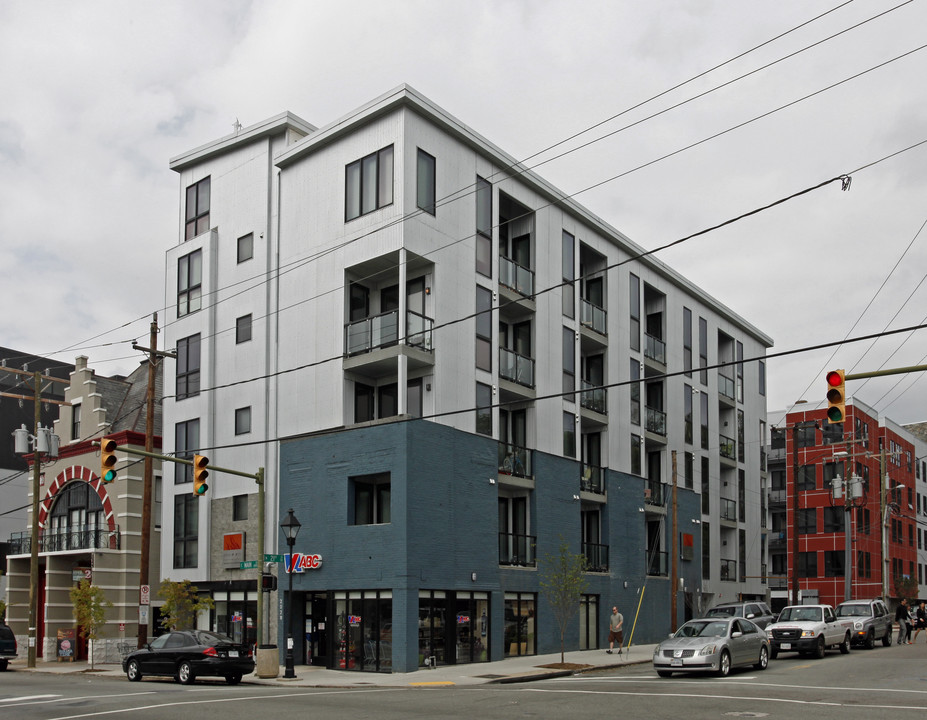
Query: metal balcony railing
{"x": 419, "y": 330}
{"x": 592, "y": 479}
{"x": 594, "y": 398}
{"x": 725, "y": 386}
{"x": 515, "y": 276}
{"x": 656, "y": 421}
{"x": 516, "y": 368}
{"x": 593, "y": 317}
{"x": 382, "y": 330}
{"x": 653, "y": 493}
{"x": 728, "y": 510}
{"x": 654, "y": 348}
{"x": 657, "y": 562}
{"x": 729, "y": 570}
{"x": 596, "y": 557}
{"x": 77, "y": 539}
{"x": 727, "y": 447}
{"x": 515, "y": 460}
{"x": 517, "y": 550}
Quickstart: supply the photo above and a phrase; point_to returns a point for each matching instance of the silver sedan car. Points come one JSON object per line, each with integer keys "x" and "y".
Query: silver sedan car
{"x": 712, "y": 645}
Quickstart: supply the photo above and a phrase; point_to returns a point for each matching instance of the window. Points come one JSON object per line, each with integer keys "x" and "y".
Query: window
{"x": 569, "y": 274}
{"x": 569, "y": 435}
{"x": 833, "y": 519}
{"x": 189, "y": 283}
{"x": 635, "y": 299}
{"x": 425, "y": 183}
{"x": 188, "y": 367}
{"x": 243, "y": 329}
{"x": 75, "y": 421}
{"x": 483, "y": 227}
{"x": 761, "y": 366}
{"x": 741, "y": 436}
{"x": 807, "y": 477}
{"x": 807, "y": 521}
{"x": 687, "y": 341}
{"x": 569, "y": 363}
{"x": 833, "y": 563}
{"x": 186, "y": 529}
{"x": 243, "y": 421}
{"x": 832, "y": 433}
{"x": 740, "y": 372}
{"x": 807, "y": 437}
{"x": 687, "y": 412}
{"x": 197, "y": 212}
{"x": 484, "y": 409}
{"x": 368, "y": 184}
{"x": 363, "y": 402}
{"x": 808, "y": 564}
{"x": 689, "y": 470}
{"x": 388, "y": 400}
{"x": 414, "y": 397}
{"x": 703, "y": 350}
{"x": 245, "y": 247}
{"x": 371, "y": 499}
{"x": 703, "y": 401}
{"x": 484, "y": 329}
{"x": 636, "y": 454}
{"x": 186, "y": 443}
{"x": 239, "y": 507}
{"x": 635, "y": 390}
{"x": 706, "y": 487}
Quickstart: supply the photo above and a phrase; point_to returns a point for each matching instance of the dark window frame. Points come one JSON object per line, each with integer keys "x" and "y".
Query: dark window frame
{"x": 426, "y": 192}
{"x": 196, "y": 210}
{"x": 189, "y": 359}
{"x": 380, "y": 195}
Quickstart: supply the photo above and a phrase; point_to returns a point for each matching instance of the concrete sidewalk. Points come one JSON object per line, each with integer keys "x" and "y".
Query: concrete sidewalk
{"x": 511, "y": 670}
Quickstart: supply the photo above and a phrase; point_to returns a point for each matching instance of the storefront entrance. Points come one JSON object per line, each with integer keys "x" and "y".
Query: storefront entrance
{"x": 318, "y": 629}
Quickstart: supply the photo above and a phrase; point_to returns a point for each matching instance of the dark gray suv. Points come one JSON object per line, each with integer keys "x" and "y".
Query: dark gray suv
{"x": 867, "y": 621}
{"x": 758, "y": 612}
{"x": 7, "y": 646}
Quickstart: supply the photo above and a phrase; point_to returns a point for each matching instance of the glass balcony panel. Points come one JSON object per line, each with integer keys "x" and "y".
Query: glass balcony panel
{"x": 592, "y": 316}
{"x": 657, "y": 562}
{"x": 656, "y": 421}
{"x": 653, "y": 492}
{"x": 728, "y": 510}
{"x": 592, "y": 479}
{"x": 517, "y": 550}
{"x": 419, "y": 330}
{"x": 515, "y": 460}
{"x": 725, "y": 385}
{"x": 655, "y": 349}
{"x": 727, "y": 447}
{"x": 516, "y": 277}
{"x": 516, "y": 368}
{"x": 728, "y": 570}
{"x": 594, "y": 398}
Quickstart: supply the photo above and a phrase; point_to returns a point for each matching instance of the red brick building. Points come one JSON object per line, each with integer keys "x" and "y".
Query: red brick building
{"x": 807, "y": 455}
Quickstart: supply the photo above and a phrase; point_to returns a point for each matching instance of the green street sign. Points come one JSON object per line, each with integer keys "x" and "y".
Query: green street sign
{"x": 248, "y": 565}
{"x": 273, "y": 558}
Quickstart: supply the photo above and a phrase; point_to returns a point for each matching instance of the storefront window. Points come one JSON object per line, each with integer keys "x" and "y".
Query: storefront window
{"x": 432, "y": 627}
{"x": 520, "y": 613}
{"x": 235, "y": 615}
{"x": 364, "y": 625}
{"x": 588, "y": 622}
{"x": 472, "y": 627}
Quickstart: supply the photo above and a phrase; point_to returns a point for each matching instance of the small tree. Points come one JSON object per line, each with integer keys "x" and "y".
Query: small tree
{"x": 182, "y": 602}
{"x": 89, "y": 611}
{"x": 2, "y": 611}
{"x": 905, "y": 587}
{"x": 562, "y": 579}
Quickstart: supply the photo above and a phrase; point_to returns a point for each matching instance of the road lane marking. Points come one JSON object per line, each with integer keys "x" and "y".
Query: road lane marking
{"x": 28, "y": 697}
{"x": 20, "y": 701}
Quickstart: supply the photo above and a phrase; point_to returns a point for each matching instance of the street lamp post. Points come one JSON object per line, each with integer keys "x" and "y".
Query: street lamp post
{"x": 290, "y": 526}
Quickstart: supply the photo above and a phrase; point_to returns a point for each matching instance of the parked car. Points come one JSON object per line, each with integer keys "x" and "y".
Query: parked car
{"x": 758, "y": 612}
{"x": 807, "y": 629}
{"x": 712, "y": 645}
{"x": 867, "y": 621}
{"x": 7, "y": 646}
{"x": 188, "y": 654}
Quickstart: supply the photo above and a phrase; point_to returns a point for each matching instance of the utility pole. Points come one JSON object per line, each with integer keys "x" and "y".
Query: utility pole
{"x": 795, "y": 428}
{"x": 674, "y": 581}
{"x": 148, "y": 481}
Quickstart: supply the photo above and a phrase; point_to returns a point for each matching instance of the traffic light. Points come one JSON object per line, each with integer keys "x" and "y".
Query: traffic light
{"x": 199, "y": 475}
{"x": 836, "y": 396}
{"x": 268, "y": 582}
{"x": 108, "y": 460}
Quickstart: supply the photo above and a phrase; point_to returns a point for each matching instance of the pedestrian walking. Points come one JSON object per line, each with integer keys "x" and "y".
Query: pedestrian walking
{"x": 901, "y": 617}
{"x": 615, "y": 632}
{"x": 920, "y": 620}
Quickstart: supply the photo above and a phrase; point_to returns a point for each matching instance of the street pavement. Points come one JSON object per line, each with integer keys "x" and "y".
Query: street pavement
{"x": 510, "y": 670}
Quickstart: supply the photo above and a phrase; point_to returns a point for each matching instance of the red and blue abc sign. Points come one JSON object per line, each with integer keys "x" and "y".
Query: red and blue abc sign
{"x": 299, "y": 562}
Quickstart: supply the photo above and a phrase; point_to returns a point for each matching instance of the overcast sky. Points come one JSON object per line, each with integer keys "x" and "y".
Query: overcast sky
{"x": 95, "y": 97}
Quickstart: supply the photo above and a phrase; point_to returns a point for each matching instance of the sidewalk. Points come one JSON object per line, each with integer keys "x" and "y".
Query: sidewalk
{"x": 511, "y": 670}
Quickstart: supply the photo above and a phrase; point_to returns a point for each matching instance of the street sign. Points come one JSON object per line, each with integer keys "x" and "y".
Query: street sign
{"x": 144, "y": 595}
{"x": 247, "y": 565}
{"x": 273, "y": 558}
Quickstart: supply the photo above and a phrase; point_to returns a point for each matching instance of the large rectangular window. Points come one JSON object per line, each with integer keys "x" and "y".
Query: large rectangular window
{"x": 807, "y": 521}
{"x": 371, "y": 499}
{"x": 368, "y": 183}
{"x": 808, "y": 564}
{"x": 569, "y": 363}
{"x": 833, "y": 519}
{"x": 483, "y": 328}
{"x": 243, "y": 329}
{"x": 186, "y": 443}
{"x": 687, "y": 341}
{"x": 189, "y": 283}
{"x": 483, "y": 227}
{"x": 833, "y": 563}
{"x": 634, "y": 388}
{"x": 569, "y": 434}
{"x": 75, "y": 422}
{"x": 569, "y": 274}
{"x": 425, "y": 182}
{"x": 703, "y": 404}
{"x": 186, "y": 530}
{"x": 484, "y": 409}
{"x": 687, "y": 412}
{"x": 196, "y": 217}
{"x": 634, "y": 290}
{"x": 363, "y": 402}
{"x": 807, "y": 477}
{"x": 703, "y": 350}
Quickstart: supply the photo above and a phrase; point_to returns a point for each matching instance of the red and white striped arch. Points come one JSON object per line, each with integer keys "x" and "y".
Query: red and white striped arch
{"x": 76, "y": 472}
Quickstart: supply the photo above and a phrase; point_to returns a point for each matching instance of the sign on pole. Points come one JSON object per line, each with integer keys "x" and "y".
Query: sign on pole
{"x": 247, "y": 564}
{"x": 144, "y": 595}
{"x": 273, "y": 558}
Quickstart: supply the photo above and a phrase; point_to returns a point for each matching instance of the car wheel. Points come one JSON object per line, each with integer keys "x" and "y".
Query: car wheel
{"x": 887, "y": 638}
{"x": 764, "y": 659}
{"x": 185, "y": 673}
{"x": 845, "y": 645}
{"x": 665, "y": 673}
{"x": 870, "y": 639}
{"x": 233, "y": 679}
{"x": 773, "y": 653}
{"x": 820, "y": 648}
{"x": 4, "y": 664}
{"x": 724, "y": 666}
{"x": 133, "y": 671}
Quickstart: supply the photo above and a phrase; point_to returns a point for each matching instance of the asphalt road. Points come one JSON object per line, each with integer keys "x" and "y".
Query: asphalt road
{"x": 864, "y": 684}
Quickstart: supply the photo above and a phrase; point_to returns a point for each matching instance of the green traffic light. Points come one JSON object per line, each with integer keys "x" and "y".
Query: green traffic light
{"x": 835, "y": 415}
{"x": 109, "y": 476}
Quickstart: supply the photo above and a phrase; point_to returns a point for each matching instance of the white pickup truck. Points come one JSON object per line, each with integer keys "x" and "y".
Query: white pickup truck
{"x": 807, "y": 629}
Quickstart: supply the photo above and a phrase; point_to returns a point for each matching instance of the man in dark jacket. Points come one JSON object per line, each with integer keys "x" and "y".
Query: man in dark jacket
{"x": 920, "y": 620}
{"x": 901, "y": 617}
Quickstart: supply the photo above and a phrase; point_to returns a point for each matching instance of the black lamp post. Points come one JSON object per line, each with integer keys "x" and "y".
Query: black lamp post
{"x": 290, "y": 526}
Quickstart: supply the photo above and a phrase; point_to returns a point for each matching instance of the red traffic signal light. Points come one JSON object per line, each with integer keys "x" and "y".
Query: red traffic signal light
{"x": 108, "y": 460}
{"x": 199, "y": 475}
{"x": 268, "y": 582}
{"x": 836, "y": 396}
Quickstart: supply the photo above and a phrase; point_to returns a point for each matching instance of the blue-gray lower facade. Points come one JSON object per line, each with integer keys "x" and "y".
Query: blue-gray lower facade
{"x": 425, "y": 551}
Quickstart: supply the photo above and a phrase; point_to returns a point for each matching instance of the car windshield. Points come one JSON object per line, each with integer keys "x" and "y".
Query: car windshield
{"x": 722, "y": 612}
{"x": 853, "y": 611}
{"x": 704, "y": 628}
{"x": 212, "y": 639}
{"x": 793, "y": 614}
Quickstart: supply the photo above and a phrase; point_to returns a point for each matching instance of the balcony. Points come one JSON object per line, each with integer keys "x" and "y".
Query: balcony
{"x": 655, "y": 421}
{"x": 729, "y": 570}
{"x": 592, "y": 479}
{"x": 516, "y": 277}
{"x": 653, "y": 493}
{"x": 419, "y": 330}
{"x": 657, "y": 562}
{"x": 594, "y": 398}
{"x": 727, "y": 448}
{"x": 379, "y": 331}
{"x": 728, "y": 510}
{"x": 517, "y": 550}
{"x": 593, "y": 317}
{"x": 77, "y": 539}
{"x": 654, "y": 349}
{"x": 516, "y": 368}
{"x": 516, "y": 461}
{"x": 596, "y": 557}
{"x": 777, "y": 540}
{"x": 726, "y": 388}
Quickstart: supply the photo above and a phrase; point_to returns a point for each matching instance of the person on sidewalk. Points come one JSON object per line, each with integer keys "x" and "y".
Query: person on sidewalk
{"x": 920, "y": 620}
{"x": 901, "y": 617}
{"x": 615, "y": 633}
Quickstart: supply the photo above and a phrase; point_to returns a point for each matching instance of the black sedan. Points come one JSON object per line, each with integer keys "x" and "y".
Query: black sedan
{"x": 188, "y": 654}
